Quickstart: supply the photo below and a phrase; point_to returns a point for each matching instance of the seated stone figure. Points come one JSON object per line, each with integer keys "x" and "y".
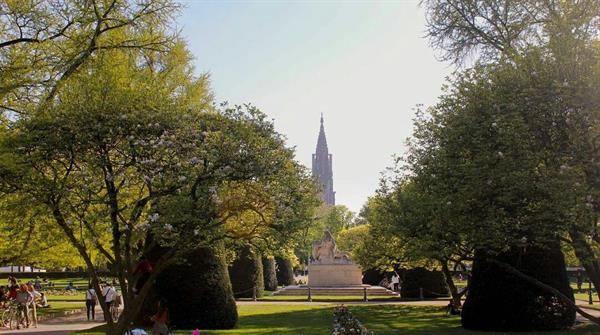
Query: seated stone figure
{"x": 326, "y": 252}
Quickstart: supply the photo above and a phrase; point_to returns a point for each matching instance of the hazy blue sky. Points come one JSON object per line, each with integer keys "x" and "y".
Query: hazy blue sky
{"x": 363, "y": 64}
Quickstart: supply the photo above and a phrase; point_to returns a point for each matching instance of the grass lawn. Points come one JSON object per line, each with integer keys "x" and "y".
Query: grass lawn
{"x": 383, "y": 320}
{"x": 59, "y": 307}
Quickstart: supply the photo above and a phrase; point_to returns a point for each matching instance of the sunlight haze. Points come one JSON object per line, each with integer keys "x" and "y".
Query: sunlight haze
{"x": 364, "y": 65}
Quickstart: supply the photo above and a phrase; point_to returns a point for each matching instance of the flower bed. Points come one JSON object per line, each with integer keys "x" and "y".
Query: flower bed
{"x": 345, "y": 323}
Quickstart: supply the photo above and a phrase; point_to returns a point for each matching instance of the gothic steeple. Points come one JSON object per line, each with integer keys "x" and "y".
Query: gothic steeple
{"x": 322, "y": 166}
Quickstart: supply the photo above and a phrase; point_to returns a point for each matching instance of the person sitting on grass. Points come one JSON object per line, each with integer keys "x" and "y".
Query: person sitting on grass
{"x": 71, "y": 287}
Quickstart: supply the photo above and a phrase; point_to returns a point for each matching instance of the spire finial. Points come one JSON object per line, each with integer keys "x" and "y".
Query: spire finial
{"x": 321, "y": 118}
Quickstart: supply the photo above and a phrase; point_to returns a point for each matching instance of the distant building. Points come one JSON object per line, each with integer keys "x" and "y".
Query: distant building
{"x": 322, "y": 167}
{"x": 19, "y": 268}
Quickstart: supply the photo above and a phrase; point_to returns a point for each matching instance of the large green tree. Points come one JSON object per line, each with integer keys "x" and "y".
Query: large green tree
{"x": 565, "y": 35}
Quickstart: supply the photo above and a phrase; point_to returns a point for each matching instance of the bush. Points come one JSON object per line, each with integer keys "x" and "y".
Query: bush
{"x": 246, "y": 274}
{"x": 500, "y": 301}
{"x": 432, "y": 283}
{"x": 270, "y": 273}
{"x": 198, "y": 292}
{"x": 373, "y": 277}
{"x": 285, "y": 271}
{"x": 344, "y": 323}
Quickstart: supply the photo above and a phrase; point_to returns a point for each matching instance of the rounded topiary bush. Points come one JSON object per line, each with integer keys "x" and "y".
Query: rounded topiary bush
{"x": 246, "y": 274}
{"x": 432, "y": 283}
{"x": 270, "y": 273}
{"x": 285, "y": 271}
{"x": 500, "y": 301}
{"x": 198, "y": 292}
{"x": 373, "y": 277}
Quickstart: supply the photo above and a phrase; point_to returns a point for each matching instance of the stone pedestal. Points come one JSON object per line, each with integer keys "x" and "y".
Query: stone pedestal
{"x": 334, "y": 275}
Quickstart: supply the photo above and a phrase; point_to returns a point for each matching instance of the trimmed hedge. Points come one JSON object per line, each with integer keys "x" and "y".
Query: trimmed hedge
{"x": 373, "y": 277}
{"x": 432, "y": 283}
{"x": 270, "y": 273}
{"x": 285, "y": 271}
{"x": 246, "y": 274}
{"x": 198, "y": 292}
{"x": 500, "y": 301}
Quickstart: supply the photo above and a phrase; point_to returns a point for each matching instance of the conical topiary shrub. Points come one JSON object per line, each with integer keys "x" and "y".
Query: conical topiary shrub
{"x": 198, "y": 292}
{"x": 270, "y": 273}
{"x": 246, "y": 274}
{"x": 501, "y": 301}
{"x": 285, "y": 271}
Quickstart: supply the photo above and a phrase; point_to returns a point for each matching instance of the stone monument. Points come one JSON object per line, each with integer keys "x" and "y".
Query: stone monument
{"x": 330, "y": 266}
{"x": 332, "y": 272}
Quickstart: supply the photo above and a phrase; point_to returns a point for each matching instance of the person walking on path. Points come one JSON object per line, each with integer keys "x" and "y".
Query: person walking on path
{"x": 110, "y": 294}
{"x": 91, "y": 298}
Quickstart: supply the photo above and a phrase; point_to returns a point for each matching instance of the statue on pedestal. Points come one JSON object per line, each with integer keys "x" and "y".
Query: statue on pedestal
{"x": 326, "y": 252}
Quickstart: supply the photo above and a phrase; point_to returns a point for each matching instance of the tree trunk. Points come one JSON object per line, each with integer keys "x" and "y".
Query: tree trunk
{"x": 585, "y": 254}
{"x": 456, "y": 296}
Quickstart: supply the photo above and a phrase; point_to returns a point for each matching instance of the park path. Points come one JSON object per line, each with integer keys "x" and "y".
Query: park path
{"x": 60, "y": 325}
{"x": 77, "y": 322}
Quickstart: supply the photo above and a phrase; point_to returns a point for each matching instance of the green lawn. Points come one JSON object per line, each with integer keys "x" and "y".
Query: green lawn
{"x": 60, "y": 307}
{"x": 383, "y": 320}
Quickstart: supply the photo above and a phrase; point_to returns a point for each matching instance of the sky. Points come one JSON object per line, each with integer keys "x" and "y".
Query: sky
{"x": 364, "y": 64}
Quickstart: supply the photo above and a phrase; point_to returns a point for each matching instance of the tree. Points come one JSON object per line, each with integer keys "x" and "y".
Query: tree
{"x": 44, "y": 43}
{"x": 567, "y": 33}
{"x": 133, "y": 155}
{"x": 494, "y": 29}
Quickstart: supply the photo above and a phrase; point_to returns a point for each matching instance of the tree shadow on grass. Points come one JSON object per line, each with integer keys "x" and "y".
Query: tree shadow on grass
{"x": 431, "y": 320}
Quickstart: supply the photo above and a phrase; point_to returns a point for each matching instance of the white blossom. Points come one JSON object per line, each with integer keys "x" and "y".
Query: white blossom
{"x": 168, "y": 227}
{"x": 153, "y": 217}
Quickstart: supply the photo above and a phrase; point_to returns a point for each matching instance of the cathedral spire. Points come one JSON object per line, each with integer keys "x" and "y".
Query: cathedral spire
{"x": 322, "y": 166}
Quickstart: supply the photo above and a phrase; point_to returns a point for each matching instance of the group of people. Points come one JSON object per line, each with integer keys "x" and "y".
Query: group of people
{"x": 393, "y": 283}
{"x": 26, "y": 297}
{"x": 109, "y": 294}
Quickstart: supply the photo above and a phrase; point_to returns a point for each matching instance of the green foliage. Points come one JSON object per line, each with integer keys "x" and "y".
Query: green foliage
{"x": 270, "y": 273}
{"x": 500, "y": 301}
{"x": 373, "y": 276}
{"x": 246, "y": 274}
{"x": 198, "y": 292}
{"x": 44, "y": 43}
{"x": 432, "y": 283}
{"x": 285, "y": 271}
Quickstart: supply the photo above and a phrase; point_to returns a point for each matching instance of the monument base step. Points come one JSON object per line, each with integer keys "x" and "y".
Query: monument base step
{"x": 358, "y": 290}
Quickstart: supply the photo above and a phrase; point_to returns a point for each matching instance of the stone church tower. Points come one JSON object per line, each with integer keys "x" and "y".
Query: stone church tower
{"x": 322, "y": 167}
